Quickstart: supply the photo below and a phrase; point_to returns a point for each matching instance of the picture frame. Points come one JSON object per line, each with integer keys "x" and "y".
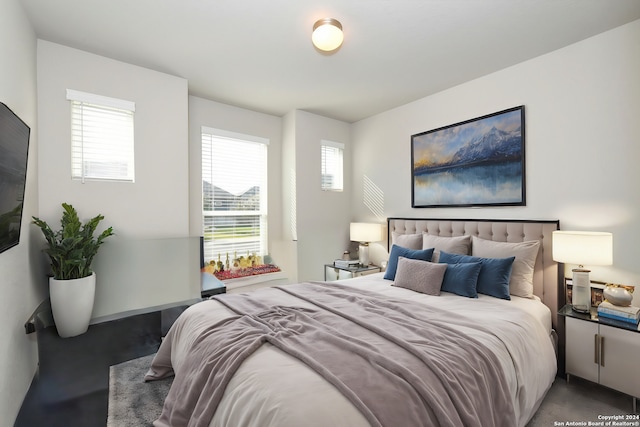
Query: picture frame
{"x": 597, "y": 291}
{"x": 478, "y": 162}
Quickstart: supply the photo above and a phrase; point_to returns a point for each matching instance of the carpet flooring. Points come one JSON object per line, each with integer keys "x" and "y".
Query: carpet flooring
{"x": 578, "y": 402}
{"x": 134, "y": 403}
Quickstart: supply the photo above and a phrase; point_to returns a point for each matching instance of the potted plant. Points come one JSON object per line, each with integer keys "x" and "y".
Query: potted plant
{"x": 71, "y": 250}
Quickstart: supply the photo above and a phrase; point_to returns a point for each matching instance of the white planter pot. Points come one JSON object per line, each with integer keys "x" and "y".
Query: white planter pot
{"x": 72, "y": 304}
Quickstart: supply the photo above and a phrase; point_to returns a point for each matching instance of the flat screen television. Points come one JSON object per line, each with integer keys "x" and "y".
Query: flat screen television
{"x": 14, "y": 148}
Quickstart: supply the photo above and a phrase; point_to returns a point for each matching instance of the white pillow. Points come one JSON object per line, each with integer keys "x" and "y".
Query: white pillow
{"x": 409, "y": 241}
{"x": 521, "y": 282}
{"x": 419, "y": 276}
{"x": 454, "y": 245}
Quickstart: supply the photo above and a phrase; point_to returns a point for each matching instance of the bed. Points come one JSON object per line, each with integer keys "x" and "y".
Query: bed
{"x": 379, "y": 351}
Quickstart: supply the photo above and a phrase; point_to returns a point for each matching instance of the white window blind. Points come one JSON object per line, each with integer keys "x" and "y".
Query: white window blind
{"x": 102, "y": 142}
{"x": 331, "y": 164}
{"x": 234, "y": 190}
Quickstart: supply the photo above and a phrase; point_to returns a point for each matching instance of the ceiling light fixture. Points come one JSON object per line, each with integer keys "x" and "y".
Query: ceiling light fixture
{"x": 327, "y": 34}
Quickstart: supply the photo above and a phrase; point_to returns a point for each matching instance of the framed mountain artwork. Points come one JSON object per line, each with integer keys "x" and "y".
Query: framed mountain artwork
{"x": 478, "y": 162}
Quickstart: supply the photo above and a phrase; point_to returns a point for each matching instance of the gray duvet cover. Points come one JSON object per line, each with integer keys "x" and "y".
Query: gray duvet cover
{"x": 399, "y": 363}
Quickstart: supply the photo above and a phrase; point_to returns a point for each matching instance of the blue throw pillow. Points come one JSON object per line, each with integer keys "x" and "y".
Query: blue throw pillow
{"x": 462, "y": 279}
{"x": 399, "y": 251}
{"x": 494, "y": 276}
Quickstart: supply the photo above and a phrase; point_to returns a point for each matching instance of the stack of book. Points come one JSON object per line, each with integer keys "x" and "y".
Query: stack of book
{"x": 629, "y": 315}
{"x": 352, "y": 263}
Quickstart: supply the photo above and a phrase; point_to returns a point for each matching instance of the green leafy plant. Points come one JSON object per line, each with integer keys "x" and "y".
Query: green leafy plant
{"x": 72, "y": 248}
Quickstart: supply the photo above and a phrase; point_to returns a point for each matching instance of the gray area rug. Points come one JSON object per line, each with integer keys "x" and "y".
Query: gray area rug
{"x": 134, "y": 403}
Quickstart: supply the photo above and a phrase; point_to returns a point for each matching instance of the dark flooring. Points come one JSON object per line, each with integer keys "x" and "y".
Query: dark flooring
{"x": 71, "y": 387}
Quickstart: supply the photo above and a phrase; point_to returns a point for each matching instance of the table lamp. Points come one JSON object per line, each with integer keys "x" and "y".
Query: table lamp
{"x": 582, "y": 248}
{"x": 365, "y": 233}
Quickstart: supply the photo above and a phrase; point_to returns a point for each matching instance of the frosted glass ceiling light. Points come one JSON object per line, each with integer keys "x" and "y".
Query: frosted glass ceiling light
{"x": 327, "y": 34}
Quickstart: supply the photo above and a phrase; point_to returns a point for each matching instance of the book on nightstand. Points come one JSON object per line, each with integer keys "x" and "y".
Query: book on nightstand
{"x": 619, "y": 323}
{"x": 346, "y": 263}
{"x": 627, "y": 314}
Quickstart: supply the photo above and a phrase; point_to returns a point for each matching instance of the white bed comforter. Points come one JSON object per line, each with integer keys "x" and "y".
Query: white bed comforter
{"x": 272, "y": 388}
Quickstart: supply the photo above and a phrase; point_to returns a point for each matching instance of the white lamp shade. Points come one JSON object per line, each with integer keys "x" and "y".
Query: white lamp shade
{"x": 583, "y": 247}
{"x": 327, "y": 34}
{"x": 365, "y": 232}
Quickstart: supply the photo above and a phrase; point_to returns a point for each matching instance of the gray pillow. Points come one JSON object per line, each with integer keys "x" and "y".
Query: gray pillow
{"x": 419, "y": 276}
{"x": 460, "y": 245}
{"x": 409, "y": 241}
{"x": 521, "y": 281}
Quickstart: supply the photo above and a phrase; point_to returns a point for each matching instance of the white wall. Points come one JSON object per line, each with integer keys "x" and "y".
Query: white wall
{"x": 582, "y": 127}
{"x": 22, "y": 283}
{"x": 157, "y": 204}
{"x": 289, "y": 207}
{"x": 322, "y": 217}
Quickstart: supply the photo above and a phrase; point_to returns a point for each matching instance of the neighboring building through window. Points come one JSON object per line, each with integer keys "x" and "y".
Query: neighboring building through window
{"x": 234, "y": 190}
{"x": 102, "y": 141}
{"x": 331, "y": 165}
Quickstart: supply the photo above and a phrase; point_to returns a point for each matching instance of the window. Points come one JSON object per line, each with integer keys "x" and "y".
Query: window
{"x": 234, "y": 190}
{"x": 101, "y": 137}
{"x": 331, "y": 163}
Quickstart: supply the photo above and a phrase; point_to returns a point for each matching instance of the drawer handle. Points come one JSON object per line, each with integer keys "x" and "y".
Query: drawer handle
{"x": 602, "y": 351}
{"x": 596, "y": 348}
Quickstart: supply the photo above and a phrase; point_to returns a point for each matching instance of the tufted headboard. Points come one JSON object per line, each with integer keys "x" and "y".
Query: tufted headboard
{"x": 546, "y": 278}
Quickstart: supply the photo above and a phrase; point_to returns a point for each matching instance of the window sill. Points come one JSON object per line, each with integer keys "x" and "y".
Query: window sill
{"x": 253, "y": 280}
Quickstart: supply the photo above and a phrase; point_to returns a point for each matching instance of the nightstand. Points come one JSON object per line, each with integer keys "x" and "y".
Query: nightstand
{"x": 331, "y": 272}
{"x": 601, "y": 352}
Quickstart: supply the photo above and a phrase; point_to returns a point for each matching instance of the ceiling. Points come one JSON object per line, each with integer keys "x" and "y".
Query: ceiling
{"x": 257, "y": 54}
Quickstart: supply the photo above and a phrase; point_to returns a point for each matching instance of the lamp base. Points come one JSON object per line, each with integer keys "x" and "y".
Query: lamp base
{"x": 581, "y": 291}
{"x": 363, "y": 254}
{"x": 581, "y": 309}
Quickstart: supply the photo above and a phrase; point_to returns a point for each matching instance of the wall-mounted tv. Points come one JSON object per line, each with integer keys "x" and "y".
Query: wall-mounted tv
{"x": 14, "y": 147}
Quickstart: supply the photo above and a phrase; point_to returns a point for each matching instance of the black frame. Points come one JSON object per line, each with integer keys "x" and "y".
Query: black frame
{"x": 472, "y": 136}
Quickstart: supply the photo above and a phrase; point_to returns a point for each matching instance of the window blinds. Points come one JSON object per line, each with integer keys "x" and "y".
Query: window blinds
{"x": 102, "y": 138}
{"x": 234, "y": 182}
{"x": 331, "y": 165}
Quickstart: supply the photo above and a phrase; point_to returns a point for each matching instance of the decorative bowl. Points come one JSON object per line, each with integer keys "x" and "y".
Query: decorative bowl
{"x": 618, "y": 294}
